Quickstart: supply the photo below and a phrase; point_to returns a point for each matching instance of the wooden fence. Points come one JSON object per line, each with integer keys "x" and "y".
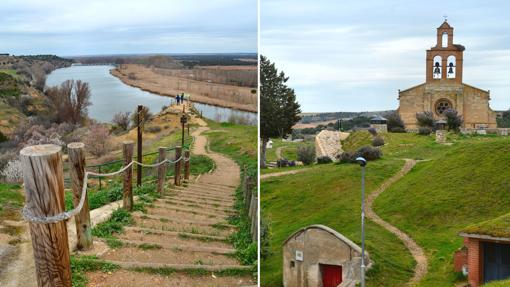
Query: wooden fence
{"x": 251, "y": 202}
{"x": 44, "y": 209}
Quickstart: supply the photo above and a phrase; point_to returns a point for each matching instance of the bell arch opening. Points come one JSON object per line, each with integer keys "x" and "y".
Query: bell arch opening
{"x": 437, "y": 69}
{"x": 451, "y": 66}
{"x": 444, "y": 40}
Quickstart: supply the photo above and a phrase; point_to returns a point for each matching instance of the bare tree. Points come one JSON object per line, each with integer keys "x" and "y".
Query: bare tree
{"x": 122, "y": 120}
{"x": 97, "y": 140}
{"x": 69, "y": 101}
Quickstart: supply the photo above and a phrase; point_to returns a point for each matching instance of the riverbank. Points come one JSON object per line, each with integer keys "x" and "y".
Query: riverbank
{"x": 234, "y": 97}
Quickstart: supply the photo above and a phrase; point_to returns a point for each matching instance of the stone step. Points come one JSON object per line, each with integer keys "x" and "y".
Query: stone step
{"x": 154, "y": 265}
{"x": 176, "y": 213}
{"x": 186, "y": 192}
{"x": 203, "y": 206}
{"x": 183, "y": 227}
{"x": 219, "y": 187}
{"x": 191, "y": 210}
{"x": 177, "y": 234}
{"x": 182, "y": 247}
{"x": 186, "y": 221}
{"x": 198, "y": 197}
{"x": 224, "y": 193}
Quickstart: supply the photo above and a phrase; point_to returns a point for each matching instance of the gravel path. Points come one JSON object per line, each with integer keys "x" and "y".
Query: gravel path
{"x": 420, "y": 269}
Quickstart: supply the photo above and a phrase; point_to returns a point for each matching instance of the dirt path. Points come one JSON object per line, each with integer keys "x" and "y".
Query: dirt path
{"x": 420, "y": 269}
{"x": 282, "y": 173}
{"x": 186, "y": 229}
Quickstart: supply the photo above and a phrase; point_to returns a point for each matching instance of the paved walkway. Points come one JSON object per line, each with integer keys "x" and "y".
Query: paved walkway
{"x": 420, "y": 269}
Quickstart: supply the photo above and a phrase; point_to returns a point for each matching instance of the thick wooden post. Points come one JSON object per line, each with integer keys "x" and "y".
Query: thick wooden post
{"x": 161, "y": 170}
{"x": 177, "y": 173}
{"x": 254, "y": 222}
{"x": 127, "y": 151}
{"x": 139, "y": 145}
{"x": 186, "y": 165}
{"x": 77, "y": 172}
{"x": 43, "y": 178}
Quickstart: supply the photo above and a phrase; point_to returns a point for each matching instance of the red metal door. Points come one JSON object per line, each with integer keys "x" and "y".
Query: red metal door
{"x": 331, "y": 275}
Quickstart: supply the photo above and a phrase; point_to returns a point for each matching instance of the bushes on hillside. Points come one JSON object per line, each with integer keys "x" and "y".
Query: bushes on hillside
{"x": 306, "y": 154}
{"x": 145, "y": 116}
{"x": 424, "y": 131}
{"x": 367, "y": 152}
{"x": 13, "y": 171}
{"x": 394, "y": 122}
{"x": 453, "y": 120}
{"x": 425, "y": 119}
{"x": 372, "y": 131}
{"x": 97, "y": 141}
{"x": 324, "y": 160}
{"x": 377, "y": 141}
{"x": 121, "y": 120}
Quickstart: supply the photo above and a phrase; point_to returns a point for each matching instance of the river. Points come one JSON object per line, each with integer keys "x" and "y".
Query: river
{"x": 110, "y": 96}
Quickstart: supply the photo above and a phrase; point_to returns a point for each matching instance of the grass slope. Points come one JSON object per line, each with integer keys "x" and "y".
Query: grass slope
{"x": 330, "y": 195}
{"x": 461, "y": 185}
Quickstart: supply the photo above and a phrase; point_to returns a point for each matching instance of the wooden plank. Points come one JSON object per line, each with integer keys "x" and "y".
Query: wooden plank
{"x": 77, "y": 172}
{"x": 127, "y": 151}
{"x": 161, "y": 170}
{"x": 43, "y": 178}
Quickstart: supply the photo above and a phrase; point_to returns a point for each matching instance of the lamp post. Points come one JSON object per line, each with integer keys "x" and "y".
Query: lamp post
{"x": 362, "y": 162}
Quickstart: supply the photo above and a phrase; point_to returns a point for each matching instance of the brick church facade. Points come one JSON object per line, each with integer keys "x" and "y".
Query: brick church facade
{"x": 443, "y": 88}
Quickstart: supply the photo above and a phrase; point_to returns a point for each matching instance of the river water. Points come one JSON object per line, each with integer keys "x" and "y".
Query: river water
{"x": 110, "y": 95}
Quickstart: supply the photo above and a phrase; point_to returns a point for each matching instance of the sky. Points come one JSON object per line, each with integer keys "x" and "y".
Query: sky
{"x": 91, "y": 27}
{"x": 356, "y": 55}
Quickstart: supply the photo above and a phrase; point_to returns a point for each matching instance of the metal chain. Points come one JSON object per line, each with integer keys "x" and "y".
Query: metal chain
{"x": 29, "y": 216}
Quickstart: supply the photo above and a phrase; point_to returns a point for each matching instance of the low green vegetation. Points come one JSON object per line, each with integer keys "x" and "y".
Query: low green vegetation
{"x": 330, "y": 195}
{"x": 504, "y": 283}
{"x": 288, "y": 149}
{"x": 11, "y": 200}
{"x": 8, "y": 85}
{"x": 114, "y": 225}
{"x": 82, "y": 264}
{"x": 460, "y": 186}
{"x": 193, "y": 272}
{"x": 240, "y": 145}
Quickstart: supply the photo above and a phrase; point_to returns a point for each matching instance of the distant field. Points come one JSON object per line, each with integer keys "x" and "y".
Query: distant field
{"x": 9, "y": 72}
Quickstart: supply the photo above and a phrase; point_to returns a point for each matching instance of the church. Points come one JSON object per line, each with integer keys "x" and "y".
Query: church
{"x": 443, "y": 88}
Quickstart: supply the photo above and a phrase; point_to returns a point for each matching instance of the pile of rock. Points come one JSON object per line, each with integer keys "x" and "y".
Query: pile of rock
{"x": 328, "y": 143}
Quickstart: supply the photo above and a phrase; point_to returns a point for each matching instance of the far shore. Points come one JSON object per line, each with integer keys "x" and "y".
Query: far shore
{"x": 147, "y": 80}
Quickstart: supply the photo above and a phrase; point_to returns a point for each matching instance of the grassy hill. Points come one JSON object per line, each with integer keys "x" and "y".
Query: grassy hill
{"x": 468, "y": 184}
{"x": 330, "y": 195}
{"x": 459, "y": 185}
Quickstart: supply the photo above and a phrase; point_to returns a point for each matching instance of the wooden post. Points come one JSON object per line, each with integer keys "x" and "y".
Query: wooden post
{"x": 161, "y": 170}
{"x": 43, "y": 178}
{"x": 77, "y": 172}
{"x": 139, "y": 146}
{"x": 99, "y": 171}
{"x": 186, "y": 165}
{"x": 127, "y": 151}
{"x": 177, "y": 173}
{"x": 254, "y": 223}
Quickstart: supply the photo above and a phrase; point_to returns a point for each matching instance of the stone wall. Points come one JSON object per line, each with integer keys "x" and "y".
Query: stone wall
{"x": 328, "y": 143}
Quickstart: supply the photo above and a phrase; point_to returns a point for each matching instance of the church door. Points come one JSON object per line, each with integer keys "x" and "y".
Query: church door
{"x": 331, "y": 275}
{"x": 496, "y": 261}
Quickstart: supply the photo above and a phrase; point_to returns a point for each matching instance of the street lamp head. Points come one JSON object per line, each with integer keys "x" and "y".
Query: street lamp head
{"x": 362, "y": 162}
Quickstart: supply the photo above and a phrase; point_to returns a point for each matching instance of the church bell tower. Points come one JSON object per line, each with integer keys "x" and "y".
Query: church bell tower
{"x": 444, "y": 61}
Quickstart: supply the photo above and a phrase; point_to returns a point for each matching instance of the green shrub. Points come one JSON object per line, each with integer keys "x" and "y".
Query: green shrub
{"x": 425, "y": 119}
{"x": 453, "y": 119}
{"x": 115, "y": 224}
{"x": 394, "y": 121}
{"x": 424, "y": 131}
{"x": 324, "y": 159}
{"x": 378, "y": 141}
{"x": 397, "y": 130}
{"x": 347, "y": 157}
{"x": 306, "y": 154}
{"x": 372, "y": 131}
{"x": 369, "y": 153}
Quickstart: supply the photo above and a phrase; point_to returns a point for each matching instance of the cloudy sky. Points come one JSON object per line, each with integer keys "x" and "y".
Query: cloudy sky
{"x": 355, "y": 55}
{"x": 86, "y": 27}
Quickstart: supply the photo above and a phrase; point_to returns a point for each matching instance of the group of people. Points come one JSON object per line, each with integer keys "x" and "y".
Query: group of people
{"x": 180, "y": 99}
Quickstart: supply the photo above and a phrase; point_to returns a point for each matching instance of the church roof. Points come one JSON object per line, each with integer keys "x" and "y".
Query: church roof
{"x": 445, "y": 25}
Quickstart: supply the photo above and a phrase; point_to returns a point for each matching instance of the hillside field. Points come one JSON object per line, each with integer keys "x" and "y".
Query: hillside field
{"x": 455, "y": 186}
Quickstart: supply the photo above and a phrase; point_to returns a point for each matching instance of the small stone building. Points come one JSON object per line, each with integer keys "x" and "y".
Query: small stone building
{"x": 318, "y": 256}
{"x": 486, "y": 252}
{"x": 443, "y": 88}
{"x": 379, "y": 123}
